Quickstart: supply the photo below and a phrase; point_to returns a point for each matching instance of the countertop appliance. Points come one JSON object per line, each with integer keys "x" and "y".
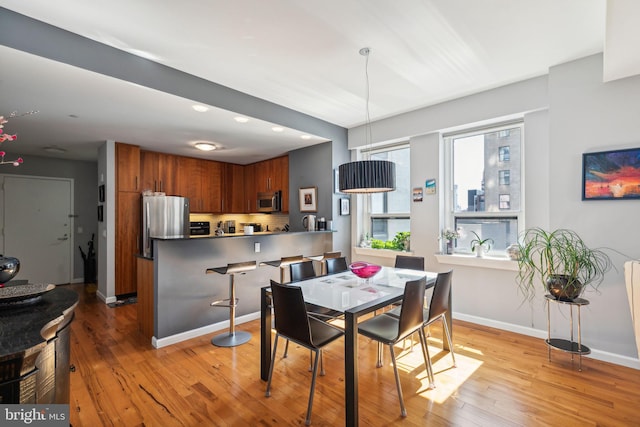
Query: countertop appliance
{"x": 270, "y": 202}
{"x": 199, "y": 228}
{"x": 163, "y": 216}
{"x": 257, "y": 227}
{"x": 229, "y": 226}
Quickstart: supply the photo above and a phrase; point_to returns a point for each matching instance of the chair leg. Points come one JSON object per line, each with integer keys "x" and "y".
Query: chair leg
{"x": 313, "y": 386}
{"x": 273, "y": 360}
{"x": 379, "y": 362}
{"x": 322, "y": 373}
{"x": 403, "y": 411}
{"x": 286, "y": 349}
{"x": 448, "y": 335}
{"x": 427, "y": 358}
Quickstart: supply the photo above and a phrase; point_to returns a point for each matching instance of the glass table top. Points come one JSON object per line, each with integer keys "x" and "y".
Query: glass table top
{"x": 343, "y": 291}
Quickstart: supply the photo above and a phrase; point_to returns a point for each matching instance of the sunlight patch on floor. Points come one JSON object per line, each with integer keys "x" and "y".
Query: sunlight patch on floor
{"x": 447, "y": 378}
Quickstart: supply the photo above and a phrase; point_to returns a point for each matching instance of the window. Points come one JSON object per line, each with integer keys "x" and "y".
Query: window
{"x": 504, "y": 177}
{"x": 389, "y": 213}
{"x": 484, "y": 197}
{"x": 503, "y": 154}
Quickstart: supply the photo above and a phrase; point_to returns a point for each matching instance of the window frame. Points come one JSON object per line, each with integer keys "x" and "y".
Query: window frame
{"x": 449, "y": 215}
{"x": 367, "y": 226}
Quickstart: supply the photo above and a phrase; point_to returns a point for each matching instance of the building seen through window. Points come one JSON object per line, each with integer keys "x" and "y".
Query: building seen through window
{"x": 486, "y": 181}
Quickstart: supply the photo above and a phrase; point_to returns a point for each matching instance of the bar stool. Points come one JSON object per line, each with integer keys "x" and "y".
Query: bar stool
{"x": 283, "y": 263}
{"x": 322, "y": 259}
{"x": 232, "y": 338}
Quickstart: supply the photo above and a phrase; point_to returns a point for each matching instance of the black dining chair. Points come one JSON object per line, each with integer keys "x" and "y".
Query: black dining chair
{"x": 301, "y": 270}
{"x": 438, "y": 307}
{"x": 293, "y": 323}
{"x": 390, "y": 330}
{"x": 336, "y": 265}
{"x": 410, "y": 262}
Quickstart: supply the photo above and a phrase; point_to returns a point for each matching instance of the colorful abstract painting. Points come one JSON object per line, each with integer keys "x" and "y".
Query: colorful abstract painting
{"x": 611, "y": 175}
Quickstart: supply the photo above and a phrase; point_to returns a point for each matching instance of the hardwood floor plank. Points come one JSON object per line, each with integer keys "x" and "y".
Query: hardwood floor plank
{"x": 502, "y": 379}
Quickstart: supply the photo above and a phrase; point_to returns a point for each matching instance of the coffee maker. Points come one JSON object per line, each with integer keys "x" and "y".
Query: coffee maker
{"x": 230, "y": 226}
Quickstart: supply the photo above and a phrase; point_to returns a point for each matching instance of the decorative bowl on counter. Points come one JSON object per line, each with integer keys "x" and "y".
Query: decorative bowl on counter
{"x": 364, "y": 270}
{"x": 9, "y": 267}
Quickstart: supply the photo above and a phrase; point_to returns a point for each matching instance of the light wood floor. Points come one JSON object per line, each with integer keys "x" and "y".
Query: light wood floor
{"x": 502, "y": 379}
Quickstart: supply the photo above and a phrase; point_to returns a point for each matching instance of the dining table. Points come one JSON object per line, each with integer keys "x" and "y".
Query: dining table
{"x": 354, "y": 297}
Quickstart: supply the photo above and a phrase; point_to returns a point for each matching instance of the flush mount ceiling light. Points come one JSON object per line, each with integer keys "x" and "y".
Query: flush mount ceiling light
{"x": 367, "y": 176}
{"x": 241, "y": 119}
{"x": 54, "y": 149}
{"x": 277, "y": 129}
{"x": 200, "y": 108}
{"x": 204, "y": 146}
{"x": 305, "y": 136}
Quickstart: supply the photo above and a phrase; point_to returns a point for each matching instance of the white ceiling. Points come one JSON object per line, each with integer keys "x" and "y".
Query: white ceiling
{"x": 299, "y": 54}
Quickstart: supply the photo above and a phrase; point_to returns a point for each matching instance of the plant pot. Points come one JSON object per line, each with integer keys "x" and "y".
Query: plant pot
{"x": 563, "y": 287}
{"x": 480, "y": 250}
{"x": 449, "y": 247}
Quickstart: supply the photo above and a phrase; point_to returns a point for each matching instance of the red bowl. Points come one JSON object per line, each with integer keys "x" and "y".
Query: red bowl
{"x": 364, "y": 270}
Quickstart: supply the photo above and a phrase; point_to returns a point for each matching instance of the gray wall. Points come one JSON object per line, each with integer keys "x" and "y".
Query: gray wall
{"x": 314, "y": 167}
{"x": 566, "y": 113}
{"x": 85, "y": 195}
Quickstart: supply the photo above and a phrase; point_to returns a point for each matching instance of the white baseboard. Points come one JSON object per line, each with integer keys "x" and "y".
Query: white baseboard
{"x": 204, "y": 330}
{"x": 604, "y": 356}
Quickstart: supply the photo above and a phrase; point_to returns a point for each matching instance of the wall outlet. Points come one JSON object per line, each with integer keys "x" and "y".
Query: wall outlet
{"x": 256, "y": 247}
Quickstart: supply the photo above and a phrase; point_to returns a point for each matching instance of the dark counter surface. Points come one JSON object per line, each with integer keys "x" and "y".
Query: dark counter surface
{"x": 25, "y": 326}
{"x": 227, "y": 235}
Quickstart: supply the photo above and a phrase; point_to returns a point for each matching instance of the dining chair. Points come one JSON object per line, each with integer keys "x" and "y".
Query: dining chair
{"x": 301, "y": 270}
{"x": 410, "y": 262}
{"x": 293, "y": 323}
{"x": 389, "y": 330}
{"x": 336, "y": 265}
{"x": 438, "y": 307}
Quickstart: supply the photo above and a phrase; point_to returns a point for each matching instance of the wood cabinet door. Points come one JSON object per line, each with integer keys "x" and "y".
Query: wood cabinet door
{"x": 127, "y": 241}
{"x": 250, "y": 191}
{"x": 149, "y": 170}
{"x": 233, "y": 189}
{"x": 211, "y": 186}
{"x": 263, "y": 176}
{"x": 280, "y": 179}
{"x": 189, "y": 182}
{"x": 127, "y": 167}
{"x": 168, "y": 174}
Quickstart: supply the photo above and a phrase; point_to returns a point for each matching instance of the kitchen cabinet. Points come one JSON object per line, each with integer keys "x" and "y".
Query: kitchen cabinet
{"x": 127, "y": 217}
{"x": 272, "y": 175}
{"x": 158, "y": 172}
{"x": 127, "y": 241}
{"x": 250, "y": 192}
{"x": 200, "y": 181}
{"x": 212, "y": 199}
{"x": 145, "y": 297}
{"x": 233, "y": 189}
{"x": 127, "y": 167}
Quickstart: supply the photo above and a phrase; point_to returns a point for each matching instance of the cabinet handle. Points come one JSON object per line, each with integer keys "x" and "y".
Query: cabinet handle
{"x": 136, "y": 185}
{"x": 161, "y": 186}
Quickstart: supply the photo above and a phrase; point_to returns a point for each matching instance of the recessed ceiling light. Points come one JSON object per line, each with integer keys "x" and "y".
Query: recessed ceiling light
{"x": 54, "y": 149}
{"x": 241, "y": 119}
{"x": 277, "y": 129}
{"x": 200, "y": 108}
{"x": 205, "y": 146}
{"x": 305, "y": 136}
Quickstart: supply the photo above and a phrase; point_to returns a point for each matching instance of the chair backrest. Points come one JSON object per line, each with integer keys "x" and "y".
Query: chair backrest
{"x": 440, "y": 298}
{"x": 411, "y": 313}
{"x": 301, "y": 270}
{"x": 336, "y": 265}
{"x": 410, "y": 262}
{"x": 291, "y": 318}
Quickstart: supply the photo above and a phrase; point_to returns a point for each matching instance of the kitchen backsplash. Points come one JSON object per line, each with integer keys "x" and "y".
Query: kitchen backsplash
{"x": 276, "y": 222}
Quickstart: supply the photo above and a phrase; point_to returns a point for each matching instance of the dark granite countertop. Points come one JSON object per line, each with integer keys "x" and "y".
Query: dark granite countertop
{"x": 227, "y": 235}
{"x": 22, "y": 325}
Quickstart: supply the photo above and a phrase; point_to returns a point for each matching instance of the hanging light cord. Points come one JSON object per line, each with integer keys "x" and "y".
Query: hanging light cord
{"x": 365, "y": 52}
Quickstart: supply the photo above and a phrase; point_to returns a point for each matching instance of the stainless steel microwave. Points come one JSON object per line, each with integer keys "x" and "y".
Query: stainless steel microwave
{"x": 270, "y": 202}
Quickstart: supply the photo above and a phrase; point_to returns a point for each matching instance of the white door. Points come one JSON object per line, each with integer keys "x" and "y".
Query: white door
{"x": 37, "y": 227}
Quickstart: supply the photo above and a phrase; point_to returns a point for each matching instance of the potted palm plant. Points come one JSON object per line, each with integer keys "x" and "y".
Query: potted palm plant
{"x": 562, "y": 263}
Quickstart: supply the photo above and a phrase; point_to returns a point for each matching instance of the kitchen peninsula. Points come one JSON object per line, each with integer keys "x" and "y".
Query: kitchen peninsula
{"x": 175, "y": 293}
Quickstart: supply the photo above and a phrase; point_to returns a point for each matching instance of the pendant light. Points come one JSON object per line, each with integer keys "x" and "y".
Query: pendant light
{"x": 367, "y": 176}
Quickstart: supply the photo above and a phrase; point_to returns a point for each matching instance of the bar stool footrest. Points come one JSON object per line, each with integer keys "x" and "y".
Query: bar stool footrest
{"x": 218, "y": 303}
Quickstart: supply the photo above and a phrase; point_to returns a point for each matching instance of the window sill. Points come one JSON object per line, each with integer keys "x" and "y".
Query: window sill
{"x": 496, "y": 263}
{"x": 382, "y": 253}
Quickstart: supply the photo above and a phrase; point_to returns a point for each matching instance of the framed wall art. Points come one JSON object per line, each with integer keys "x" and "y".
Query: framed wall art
{"x": 345, "y": 206}
{"x": 611, "y": 175}
{"x": 309, "y": 199}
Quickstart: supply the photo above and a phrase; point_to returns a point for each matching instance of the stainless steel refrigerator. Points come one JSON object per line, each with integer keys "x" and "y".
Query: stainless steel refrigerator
{"x": 164, "y": 217}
